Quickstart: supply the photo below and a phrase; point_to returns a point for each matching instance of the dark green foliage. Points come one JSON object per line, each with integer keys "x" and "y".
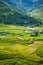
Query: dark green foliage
{"x": 40, "y": 51}
{"x": 18, "y": 62}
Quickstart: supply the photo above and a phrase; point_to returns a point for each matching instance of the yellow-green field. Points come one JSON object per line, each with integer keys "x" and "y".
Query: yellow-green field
{"x": 17, "y": 47}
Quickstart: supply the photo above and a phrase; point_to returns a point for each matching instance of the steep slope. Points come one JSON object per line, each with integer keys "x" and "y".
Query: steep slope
{"x": 25, "y": 5}
{"x": 37, "y": 14}
{"x": 10, "y": 16}
{"x": 34, "y": 7}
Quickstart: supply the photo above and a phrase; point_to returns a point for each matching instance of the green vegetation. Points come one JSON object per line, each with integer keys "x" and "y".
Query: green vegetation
{"x": 9, "y": 15}
{"x": 21, "y": 40}
{"x": 17, "y": 47}
{"x": 40, "y": 51}
{"x": 37, "y": 14}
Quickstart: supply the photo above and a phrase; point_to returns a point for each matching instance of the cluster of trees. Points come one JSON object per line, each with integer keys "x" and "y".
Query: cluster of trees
{"x": 37, "y": 32}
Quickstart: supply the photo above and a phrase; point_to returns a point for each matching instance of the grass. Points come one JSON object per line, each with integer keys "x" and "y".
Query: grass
{"x": 16, "y": 51}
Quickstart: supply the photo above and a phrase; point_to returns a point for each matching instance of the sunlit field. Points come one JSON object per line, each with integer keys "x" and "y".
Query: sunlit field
{"x": 18, "y": 45}
{"x": 21, "y": 32}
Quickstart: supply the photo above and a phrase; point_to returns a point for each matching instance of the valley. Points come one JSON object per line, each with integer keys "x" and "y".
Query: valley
{"x": 21, "y": 35}
{"x": 17, "y": 46}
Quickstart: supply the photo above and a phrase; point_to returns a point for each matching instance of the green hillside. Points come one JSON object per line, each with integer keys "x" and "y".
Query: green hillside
{"x": 37, "y": 13}
{"x": 9, "y": 15}
{"x": 21, "y": 37}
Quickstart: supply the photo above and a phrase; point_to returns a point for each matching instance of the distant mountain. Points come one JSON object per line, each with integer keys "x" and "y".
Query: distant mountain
{"x": 25, "y": 5}
{"x": 8, "y": 15}
{"x": 32, "y": 7}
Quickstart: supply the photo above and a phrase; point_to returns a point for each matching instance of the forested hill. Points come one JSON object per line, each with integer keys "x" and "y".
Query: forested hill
{"x": 8, "y": 15}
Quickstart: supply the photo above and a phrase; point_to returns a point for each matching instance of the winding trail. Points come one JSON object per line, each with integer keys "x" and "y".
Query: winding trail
{"x": 36, "y": 43}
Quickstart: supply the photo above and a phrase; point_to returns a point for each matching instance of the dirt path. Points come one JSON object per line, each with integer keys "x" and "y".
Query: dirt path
{"x": 36, "y": 43}
{"x": 29, "y": 48}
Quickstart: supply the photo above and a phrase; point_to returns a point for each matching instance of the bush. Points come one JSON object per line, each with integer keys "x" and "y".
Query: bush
{"x": 40, "y": 51}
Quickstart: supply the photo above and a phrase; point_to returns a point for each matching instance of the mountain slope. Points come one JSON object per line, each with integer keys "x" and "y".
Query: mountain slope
{"x": 37, "y": 14}
{"x": 32, "y": 7}
{"x": 25, "y": 5}
{"x": 11, "y": 16}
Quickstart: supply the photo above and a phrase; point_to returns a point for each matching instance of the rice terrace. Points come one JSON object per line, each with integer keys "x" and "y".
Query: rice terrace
{"x": 21, "y": 32}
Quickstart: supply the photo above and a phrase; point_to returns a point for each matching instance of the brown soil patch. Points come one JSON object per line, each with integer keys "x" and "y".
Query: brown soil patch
{"x": 31, "y": 50}
{"x": 36, "y": 43}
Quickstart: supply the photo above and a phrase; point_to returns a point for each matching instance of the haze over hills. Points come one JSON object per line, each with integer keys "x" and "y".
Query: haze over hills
{"x": 25, "y": 5}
